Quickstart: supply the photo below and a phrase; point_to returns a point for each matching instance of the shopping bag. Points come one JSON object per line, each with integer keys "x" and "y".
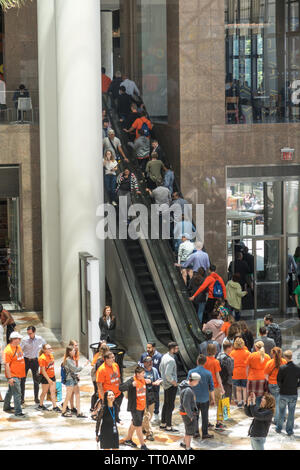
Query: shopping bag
{"x": 224, "y": 409}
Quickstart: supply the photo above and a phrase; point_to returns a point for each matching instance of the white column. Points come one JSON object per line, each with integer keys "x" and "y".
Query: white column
{"x": 79, "y": 143}
{"x": 49, "y": 163}
{"x": 107, "y": 42}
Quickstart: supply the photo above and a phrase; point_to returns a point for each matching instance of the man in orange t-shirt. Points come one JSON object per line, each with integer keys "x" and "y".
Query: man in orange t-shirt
{"x": 108, "y": 377}
{"x": 106, "y": 81}
{"x": 14, "y": 371}
{"x": 138, "y": 124}
{"x": 213, "y": 365}
{"x": 137, "y": 401}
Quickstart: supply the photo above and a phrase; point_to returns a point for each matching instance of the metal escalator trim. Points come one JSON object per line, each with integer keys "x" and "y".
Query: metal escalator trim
{"x": 175, "y": 329}
{"x": 135, "y": 300}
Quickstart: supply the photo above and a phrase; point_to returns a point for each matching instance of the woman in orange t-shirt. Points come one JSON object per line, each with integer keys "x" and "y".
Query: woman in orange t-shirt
{"x": 256, "y": 373}
{"x": 48, "y": 380}
{"x": 213, "y": 365}
{"x": 240, "y": 355}
{"x": 271, "y": 372}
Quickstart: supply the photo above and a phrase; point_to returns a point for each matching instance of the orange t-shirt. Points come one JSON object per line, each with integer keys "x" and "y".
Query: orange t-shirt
{"x": 212, "y": 364}
{"x": 109, "y": 377}
{"x": 106, "y": 81}
{"x": 48, "y": 363}
{"x": 138, "y": 124}
{"x": 13, "y": 355}
{"x": 225, "y": 327}
{"x": 240, "y": 357}
{"x": 256, "y": 367}
{"x": 272, "y": 372}
{"x": 140, "y": 394}
{"x": 95, "y": 359}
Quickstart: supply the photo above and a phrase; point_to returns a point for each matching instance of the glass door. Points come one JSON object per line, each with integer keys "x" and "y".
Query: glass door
{"x": 13, "y": 252}
{"x": 267, "y": 274}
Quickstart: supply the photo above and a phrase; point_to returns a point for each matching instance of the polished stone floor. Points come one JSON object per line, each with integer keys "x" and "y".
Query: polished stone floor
{"x": 49, "y": 431}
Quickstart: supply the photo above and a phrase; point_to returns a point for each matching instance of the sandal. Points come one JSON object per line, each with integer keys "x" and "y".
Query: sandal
{"x": 67, "y": 414}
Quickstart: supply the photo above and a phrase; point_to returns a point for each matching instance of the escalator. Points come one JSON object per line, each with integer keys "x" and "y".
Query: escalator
{"x": 153, "y": 303}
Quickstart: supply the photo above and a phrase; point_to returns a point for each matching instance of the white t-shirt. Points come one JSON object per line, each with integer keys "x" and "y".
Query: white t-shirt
{"x": 110, "y": 167}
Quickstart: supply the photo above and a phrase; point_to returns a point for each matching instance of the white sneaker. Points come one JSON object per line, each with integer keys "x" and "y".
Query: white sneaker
{"x": 156, "y": 419}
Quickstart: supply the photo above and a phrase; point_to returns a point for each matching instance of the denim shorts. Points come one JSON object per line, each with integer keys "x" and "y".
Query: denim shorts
{"x": 71, "y": 383}
{"x": 240, "y": 383}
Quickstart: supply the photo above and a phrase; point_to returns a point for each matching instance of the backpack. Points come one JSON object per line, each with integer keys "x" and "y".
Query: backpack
{"x": 218, "y": 290}
{"x": 224, "y": 363}
{"x": 145, "y": 130}
{"x": 273, "y": 332}
{"x": 63, "y": 374}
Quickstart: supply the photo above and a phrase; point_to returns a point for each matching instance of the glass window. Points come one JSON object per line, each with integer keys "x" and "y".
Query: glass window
{"x": 263, "y": 43}
{"x": 254, "y": 209}
{"x": 152, "y": 33}
{"x": 292, "y": 205}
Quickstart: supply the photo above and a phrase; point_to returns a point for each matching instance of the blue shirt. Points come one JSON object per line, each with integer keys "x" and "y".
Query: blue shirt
{"x": 169, "y": 180}
{"x": 197, "y": 260}
{"x": 205, "y": 385}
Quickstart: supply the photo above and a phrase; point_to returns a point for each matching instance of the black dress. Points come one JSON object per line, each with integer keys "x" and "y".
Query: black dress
{"x": 109, "y": 439}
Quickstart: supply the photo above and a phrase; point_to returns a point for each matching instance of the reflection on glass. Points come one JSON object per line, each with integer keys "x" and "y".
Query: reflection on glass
{"x": 268, "y": 296}
{"x": 267, "y": 261}
{"x": 292, "y": 205}
{"x": 152, "y": 33}
{"x": 254, "y": 208}
{"x": 262, "y": 60}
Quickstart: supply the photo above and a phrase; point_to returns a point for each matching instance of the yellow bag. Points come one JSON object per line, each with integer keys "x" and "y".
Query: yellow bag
{"x": 223, "y": 409}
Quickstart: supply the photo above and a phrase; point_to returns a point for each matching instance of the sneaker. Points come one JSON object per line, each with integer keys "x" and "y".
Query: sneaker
{"x": 210, "y": 425}
{"x": 220, "y": 427}
{"x": 130, "y": 443}
{"x": 74, "y": 411}
{"x": 42, "y": 408}
{"x": 9, "y": 410}
{"x": 67, "y": 414}
{"x": 21, "y": 415}
{"x": 144, "y": 447}
{"x": 207, "y": 436}
{"x": 171, "y": 430}
{"x": 56, "y": 409}
{"x": 81, "y": 415}
{"x": 197, "y": 435}
{"x": 163, "y": 427}
{"x": 240, "y": 405}
{"x": 150, "y": 438}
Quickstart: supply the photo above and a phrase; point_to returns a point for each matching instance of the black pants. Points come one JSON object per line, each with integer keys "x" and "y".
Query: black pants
{"x": 209, "y": 306}
{"x": 169, "y": 405}
{"x": 95, "y": 396}
{"x": 227, "y": 390}
{"x": 33, "y": 365}
{"x": 203, "y": 409}
{"x": 156, "y": 391}
{"x": 9, "y": 330}
{"x": 118, "y": 403}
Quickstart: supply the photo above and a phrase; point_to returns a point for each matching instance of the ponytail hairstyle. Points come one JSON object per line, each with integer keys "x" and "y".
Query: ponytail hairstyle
{"x": 42, "y": 351}
{"x": 69, "y": 349}
{"x": 260, "y": 347}
{"x": 277, "y": 355}
{"x": 239, "y": 343}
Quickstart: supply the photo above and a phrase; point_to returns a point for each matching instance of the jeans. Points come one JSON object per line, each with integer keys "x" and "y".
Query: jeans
{"x": 156, "y": 391}
{"x": 258, "y": 443}
{"x": 203, "y": 409}
{"x": 15, "y": 392}
{"x": 33, "y": 365}
{"x": 111, "y": 184}
{"x": 290, "y": 402}
{"x": 201, "y": 308}
{"x": 169, "y": 405}
{"x": 274, "y": 390}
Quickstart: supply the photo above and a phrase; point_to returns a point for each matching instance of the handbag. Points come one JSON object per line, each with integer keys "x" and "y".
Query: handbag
{"x": 223, "y": 409}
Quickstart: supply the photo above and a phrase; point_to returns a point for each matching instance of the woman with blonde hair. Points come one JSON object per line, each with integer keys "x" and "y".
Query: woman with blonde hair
{"x": 240, "y": 356}
{"x": 257, "y": 362}
{"x": 72, "y": 381}
{"x": 47, "y": 377}
{"x": 271, "y": 372}
{"x": 110, "y": 166}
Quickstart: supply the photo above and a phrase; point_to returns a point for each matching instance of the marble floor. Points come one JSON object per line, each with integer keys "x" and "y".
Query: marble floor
{"x": 49, "y": 431}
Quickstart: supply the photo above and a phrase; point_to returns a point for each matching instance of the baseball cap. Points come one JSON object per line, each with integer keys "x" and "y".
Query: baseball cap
{"x": 15, "y": 335}
{"x": 147, "y": 359}
{"x": 195, "y": 376}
